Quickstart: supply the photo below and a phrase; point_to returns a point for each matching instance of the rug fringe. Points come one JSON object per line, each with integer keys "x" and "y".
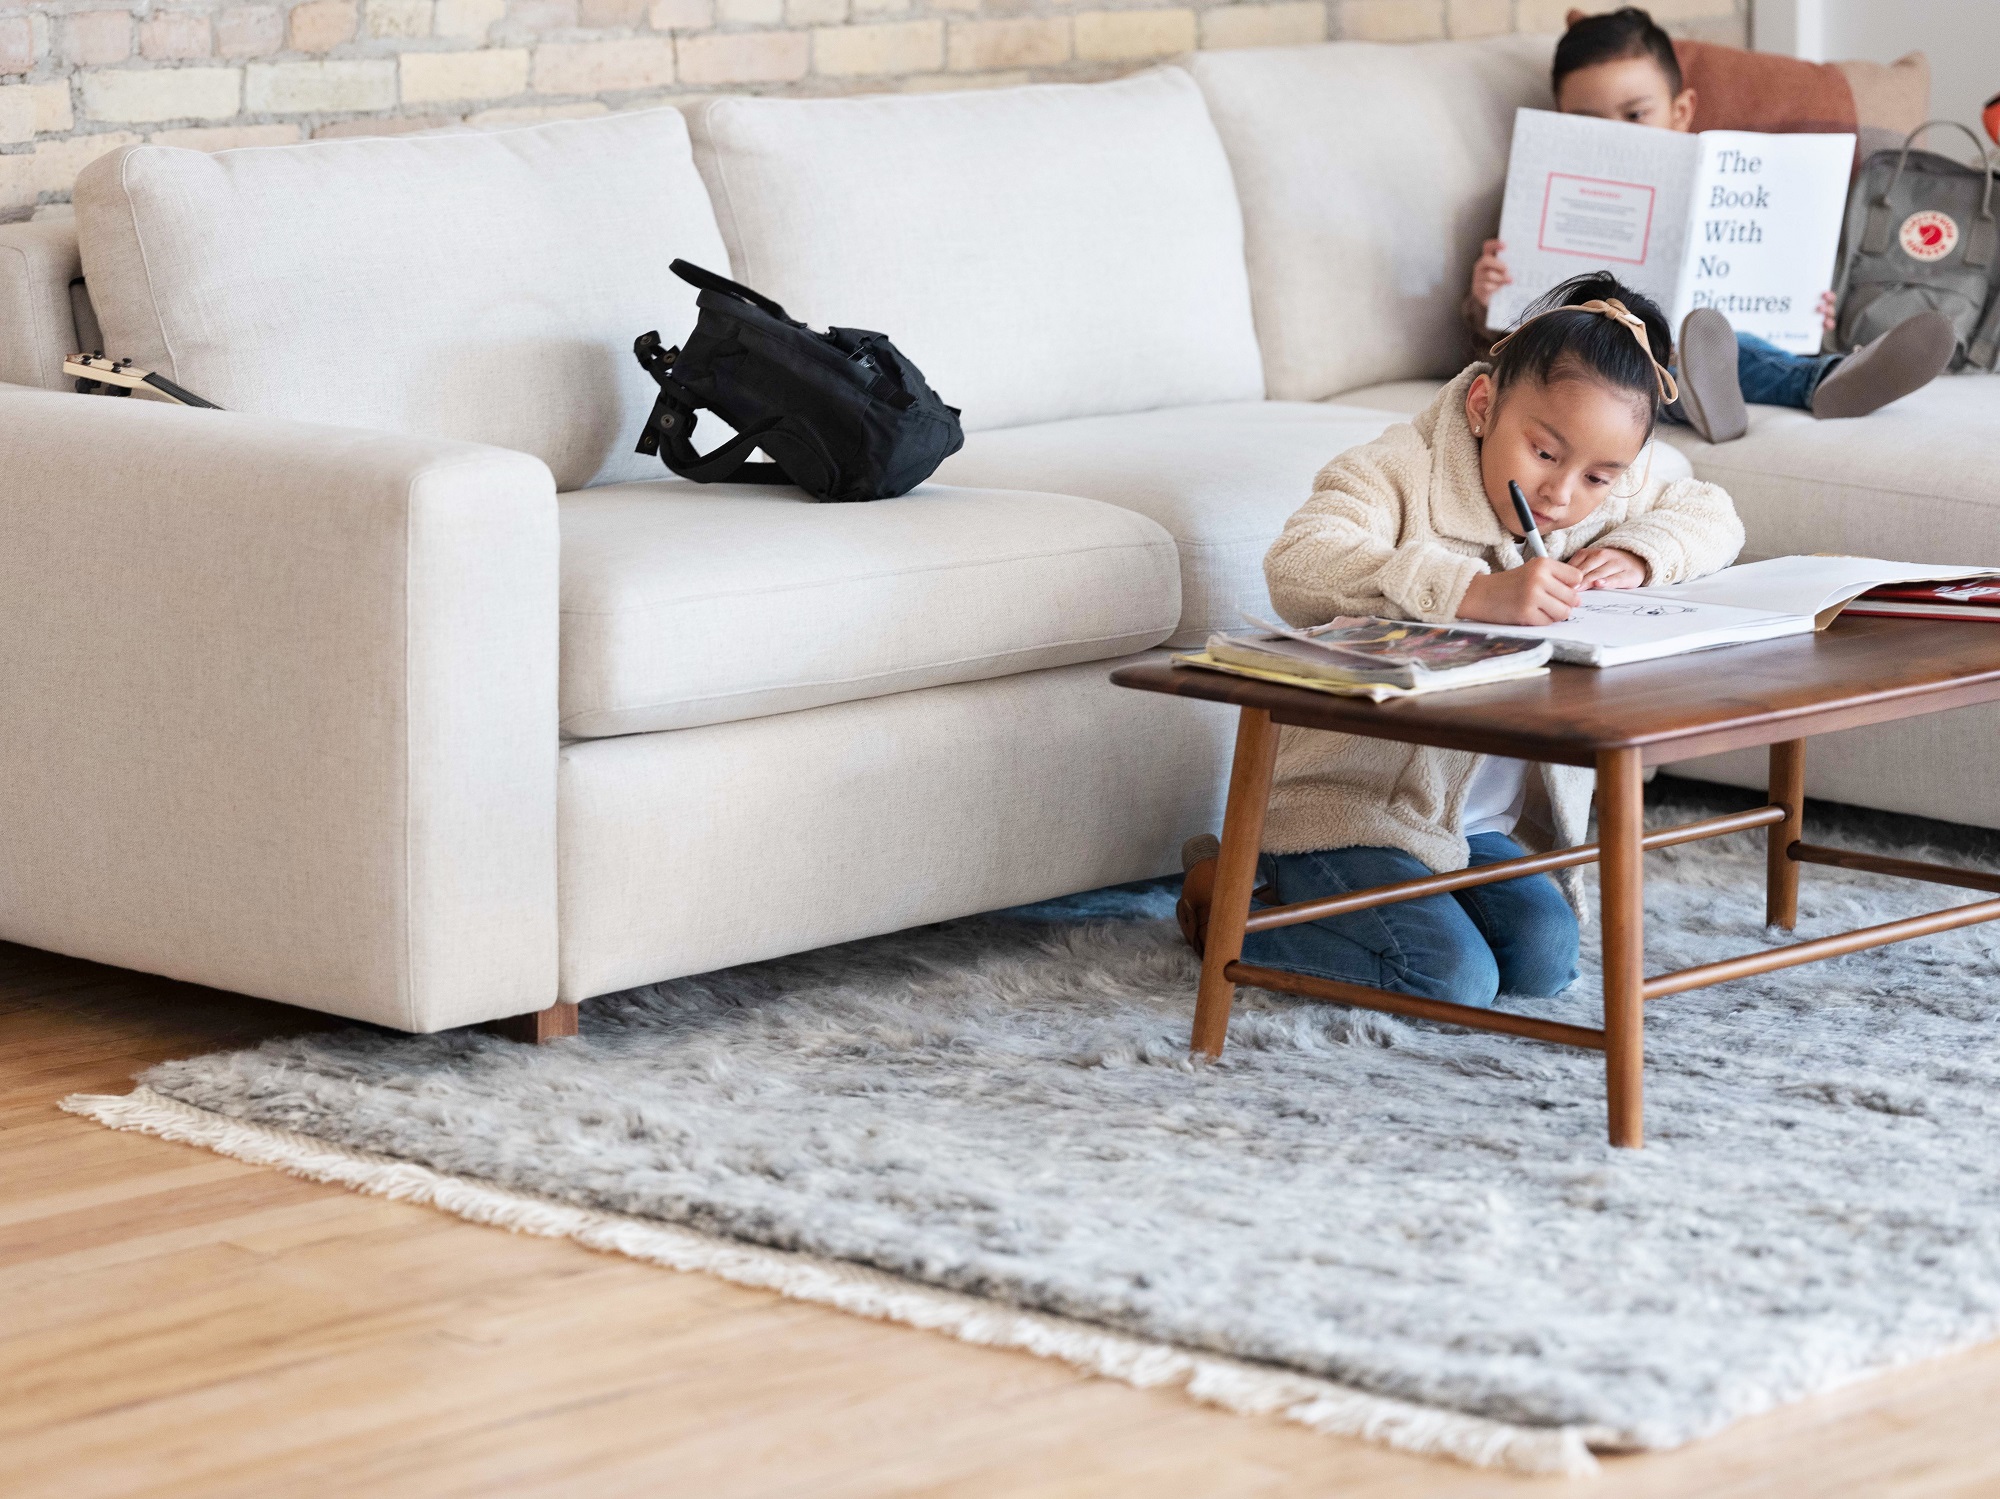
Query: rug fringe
{"x": 1230, "y": 1384}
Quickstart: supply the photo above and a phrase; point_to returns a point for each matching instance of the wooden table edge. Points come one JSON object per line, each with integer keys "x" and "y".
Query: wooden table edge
{"x": 1293, "y": 706}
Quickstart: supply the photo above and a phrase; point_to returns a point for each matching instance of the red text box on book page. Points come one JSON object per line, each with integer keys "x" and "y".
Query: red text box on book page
{"x": 1597, "y": 219}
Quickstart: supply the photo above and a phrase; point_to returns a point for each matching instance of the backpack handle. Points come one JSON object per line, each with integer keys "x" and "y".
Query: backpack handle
{"x": 695, "y": 276}
{"x": 1979, "y": 245}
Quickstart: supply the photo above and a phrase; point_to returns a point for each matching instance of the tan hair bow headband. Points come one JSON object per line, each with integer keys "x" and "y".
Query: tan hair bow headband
{"x": 1618, "y": 312}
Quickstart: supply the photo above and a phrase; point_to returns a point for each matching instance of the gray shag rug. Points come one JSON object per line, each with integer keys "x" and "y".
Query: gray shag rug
{"x": 1002, "y": 1109}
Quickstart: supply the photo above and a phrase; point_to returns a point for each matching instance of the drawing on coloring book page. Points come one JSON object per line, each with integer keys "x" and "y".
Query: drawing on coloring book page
{"x": 1749, "y": 602}
{"x": 1630, "y": 608}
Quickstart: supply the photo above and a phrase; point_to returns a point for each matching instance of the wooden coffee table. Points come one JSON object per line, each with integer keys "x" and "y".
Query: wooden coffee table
{"x": 1780, "y": 693}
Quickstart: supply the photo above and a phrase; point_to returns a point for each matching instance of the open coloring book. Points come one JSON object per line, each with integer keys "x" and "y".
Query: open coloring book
{"x": 1745, "y": 223}
{"x": 1756, "y": 601}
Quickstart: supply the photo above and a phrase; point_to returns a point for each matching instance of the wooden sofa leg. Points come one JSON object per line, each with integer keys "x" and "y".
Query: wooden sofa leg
{"x": 538, "y": 1026}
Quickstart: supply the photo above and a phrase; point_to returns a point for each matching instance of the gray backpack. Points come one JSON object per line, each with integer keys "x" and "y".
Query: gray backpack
{"x": 1920, "y": 236}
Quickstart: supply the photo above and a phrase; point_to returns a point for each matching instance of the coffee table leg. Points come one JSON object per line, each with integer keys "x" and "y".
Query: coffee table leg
{"x": 1621, "y": 826}
{"x": 1788, "y": 790}
{"x": 1235, "y": 875}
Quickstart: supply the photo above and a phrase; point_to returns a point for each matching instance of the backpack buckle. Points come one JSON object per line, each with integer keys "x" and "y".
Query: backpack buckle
{"x": 654, "y": 359}
{"x": 663, "y": 425}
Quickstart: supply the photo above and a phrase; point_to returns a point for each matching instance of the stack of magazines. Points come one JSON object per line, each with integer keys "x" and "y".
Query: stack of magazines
{"x": 1978, "y": 599}
{"x": 1372, "y": 658}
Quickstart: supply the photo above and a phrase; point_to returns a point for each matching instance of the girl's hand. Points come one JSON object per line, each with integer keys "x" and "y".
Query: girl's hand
{"x": 1607, "y": 567}
{"x": 1541, "y": 591}
{"x": 1489, "y": 273}
{"x": 1829, "y": 310}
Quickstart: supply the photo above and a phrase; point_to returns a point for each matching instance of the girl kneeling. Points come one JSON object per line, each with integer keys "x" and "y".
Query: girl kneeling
{"x": 1419, "y": 525}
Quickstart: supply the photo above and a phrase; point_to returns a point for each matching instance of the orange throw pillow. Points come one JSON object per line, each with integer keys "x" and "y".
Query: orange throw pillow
{"x": 1739, "y": 90}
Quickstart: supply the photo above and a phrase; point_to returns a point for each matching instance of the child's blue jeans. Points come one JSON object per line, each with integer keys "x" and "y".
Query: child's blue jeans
{"x": 1768, "y": 376}
{"x": 1469, "y": 947}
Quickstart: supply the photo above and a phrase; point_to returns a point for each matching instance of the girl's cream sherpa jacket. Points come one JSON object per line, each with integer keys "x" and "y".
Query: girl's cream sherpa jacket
{"x": 1398, "y": 528}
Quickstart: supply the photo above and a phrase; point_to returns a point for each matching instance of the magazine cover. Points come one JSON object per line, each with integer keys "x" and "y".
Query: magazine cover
{"x": 1371, "y": 644}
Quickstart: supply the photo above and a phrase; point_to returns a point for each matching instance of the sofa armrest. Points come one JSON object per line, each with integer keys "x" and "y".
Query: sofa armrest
{"x": 278, "y": 707}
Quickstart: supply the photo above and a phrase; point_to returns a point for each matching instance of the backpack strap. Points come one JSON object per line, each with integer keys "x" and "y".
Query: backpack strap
{"x": 1984, "y": 349}
{"x": 669, "y": 431}
{"x": 1875, "y": 238}
{"x": 703, "y": 280}
{"x": 728, "y": 464}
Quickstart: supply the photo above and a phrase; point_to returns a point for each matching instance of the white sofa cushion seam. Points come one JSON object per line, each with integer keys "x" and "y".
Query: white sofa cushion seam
{"x": 732, "y": 238}
{"x": 145, "y": 261}
{"x": 406, "y": 979}
{"x": 843, "y": 581}
{"x": 1124, "y": 643}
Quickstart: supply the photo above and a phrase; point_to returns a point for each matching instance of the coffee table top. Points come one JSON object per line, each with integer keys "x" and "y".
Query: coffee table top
{"x": 1857, "y": 671}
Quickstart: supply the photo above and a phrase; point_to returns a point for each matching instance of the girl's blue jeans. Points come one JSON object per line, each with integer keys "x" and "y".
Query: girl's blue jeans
{"x": 1468, "y": 947}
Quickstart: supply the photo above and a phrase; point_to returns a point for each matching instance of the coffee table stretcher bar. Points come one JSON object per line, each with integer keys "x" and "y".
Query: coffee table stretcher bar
{"x": 1619, "y": 855}
{"x": 1624, "y": 841}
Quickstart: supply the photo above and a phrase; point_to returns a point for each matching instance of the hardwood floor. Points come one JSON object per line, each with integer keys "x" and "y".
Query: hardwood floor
{"x": 172, "y": 1323}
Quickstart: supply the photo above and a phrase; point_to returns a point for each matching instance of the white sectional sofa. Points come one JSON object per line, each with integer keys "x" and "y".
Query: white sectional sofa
{"x": 403, "y": 689}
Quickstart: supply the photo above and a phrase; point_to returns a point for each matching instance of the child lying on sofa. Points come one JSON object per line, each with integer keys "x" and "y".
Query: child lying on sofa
{"x": 1419, "y": 525}
{"x": 1622, "y": 66}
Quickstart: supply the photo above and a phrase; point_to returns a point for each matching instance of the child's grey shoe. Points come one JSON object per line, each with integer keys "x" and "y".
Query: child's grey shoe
{"x": 1201, "y": 846}
{"x": 1711, "y": 398}
{"x": 1906, "y": 358}
{"x": 1198, "y": 856}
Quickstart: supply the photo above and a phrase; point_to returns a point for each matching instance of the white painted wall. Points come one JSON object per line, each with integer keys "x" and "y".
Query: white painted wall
{"x": 1961, "y": 38}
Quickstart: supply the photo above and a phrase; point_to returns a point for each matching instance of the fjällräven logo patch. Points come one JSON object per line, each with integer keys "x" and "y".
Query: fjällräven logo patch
{"x": 1929, "y": 235}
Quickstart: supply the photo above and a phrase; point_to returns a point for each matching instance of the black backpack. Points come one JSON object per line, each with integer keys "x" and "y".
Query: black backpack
{"x": 842, "y": 414}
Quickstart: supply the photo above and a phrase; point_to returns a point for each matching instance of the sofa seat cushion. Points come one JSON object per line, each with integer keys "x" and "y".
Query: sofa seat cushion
{"x": 1046, "y": 252}
{"x": 483, "y": 286}
{"x": 1918, "y": 481}
{"x": 686, "y": 604}
{"x": 1222, "y": 479}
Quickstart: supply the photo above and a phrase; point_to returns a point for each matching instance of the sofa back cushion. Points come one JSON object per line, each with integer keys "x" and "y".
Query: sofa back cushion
{"x": 1053, "y": 251}
{"x": 1369, "y": 174}
{"x": 37, "y": 328}
{"x": 479, "y": 286}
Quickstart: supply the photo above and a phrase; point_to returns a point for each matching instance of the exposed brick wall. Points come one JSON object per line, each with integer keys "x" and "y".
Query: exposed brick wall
{"x": 79, "y": 77}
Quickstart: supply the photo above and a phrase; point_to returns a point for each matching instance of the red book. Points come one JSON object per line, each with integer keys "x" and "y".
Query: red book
{"x": 1971, "y": 598}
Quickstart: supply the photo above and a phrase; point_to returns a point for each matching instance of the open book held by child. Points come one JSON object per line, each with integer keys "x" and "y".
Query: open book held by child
{"x": 1419, "y": 525}
{"x": 1622, "y": 66}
